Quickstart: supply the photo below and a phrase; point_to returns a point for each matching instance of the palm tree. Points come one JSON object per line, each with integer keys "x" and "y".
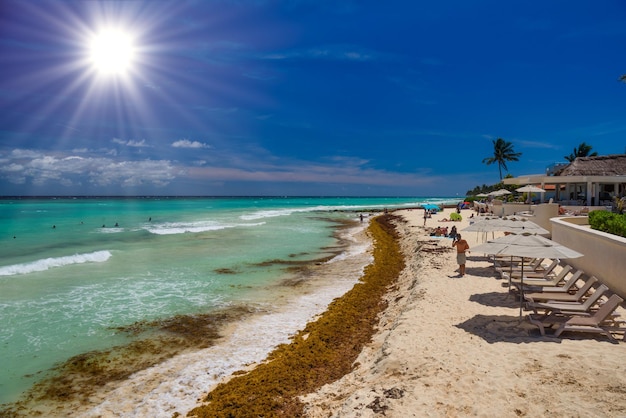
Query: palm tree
{"x": 502, "y": 152}
{"x": 583, "y": 150}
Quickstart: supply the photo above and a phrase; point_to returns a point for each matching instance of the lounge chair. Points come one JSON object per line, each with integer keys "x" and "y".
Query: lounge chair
{"x": 602, "y": 321}
{"x": 549, "y": 281}
{"x": 542, "y": 274}
{"x": 569, "y": 286}
{"x": 561, "y": 296}
{"x": 569, "y": 307}
{"x": 532, "y": 265}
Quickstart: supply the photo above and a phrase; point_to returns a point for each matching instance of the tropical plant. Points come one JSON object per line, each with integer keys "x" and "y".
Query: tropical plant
{"x": 611, "y": 223}
{"x": 502, "y": 152}
{"x": 620, "y": 204}
{"x": 583, "y": 150}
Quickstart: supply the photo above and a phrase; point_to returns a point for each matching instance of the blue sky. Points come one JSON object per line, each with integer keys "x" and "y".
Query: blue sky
{"x": 304, "y": 97}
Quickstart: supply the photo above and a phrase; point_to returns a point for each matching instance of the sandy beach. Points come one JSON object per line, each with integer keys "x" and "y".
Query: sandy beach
{"x": 451, "y": 347}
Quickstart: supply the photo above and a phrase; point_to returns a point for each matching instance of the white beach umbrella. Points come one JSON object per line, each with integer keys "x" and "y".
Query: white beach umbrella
{"x": 501, "y": 192}
{"x": 530, "y": 189}
{"x": 526, "y": 245}
{"x": 511, "y": 224}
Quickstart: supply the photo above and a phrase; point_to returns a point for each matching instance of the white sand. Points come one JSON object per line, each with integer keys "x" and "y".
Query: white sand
{"x": 455, "y": 347}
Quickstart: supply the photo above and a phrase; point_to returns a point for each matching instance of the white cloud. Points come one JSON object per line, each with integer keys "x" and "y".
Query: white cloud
{"x": 13, "y": 168}
{"x": 73, "y": 170}
{"x": 24, "y": 153}
{"x": 330, "y": 52}
{"x": 131, "y": 143}
{"x": 185, "y": 143}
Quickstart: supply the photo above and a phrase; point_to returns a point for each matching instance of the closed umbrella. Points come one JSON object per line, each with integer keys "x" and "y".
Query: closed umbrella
{"x": 527, "y": 245}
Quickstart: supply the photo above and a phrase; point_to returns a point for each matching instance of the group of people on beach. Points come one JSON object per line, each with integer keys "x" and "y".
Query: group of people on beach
{"x": 443, "y": 232}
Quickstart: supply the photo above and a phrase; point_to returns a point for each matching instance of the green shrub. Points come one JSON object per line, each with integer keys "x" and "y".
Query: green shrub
{"x": 608, "y": 222}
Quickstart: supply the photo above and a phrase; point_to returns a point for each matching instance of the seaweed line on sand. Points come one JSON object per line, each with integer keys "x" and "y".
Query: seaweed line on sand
{"x": 324, "y": 351}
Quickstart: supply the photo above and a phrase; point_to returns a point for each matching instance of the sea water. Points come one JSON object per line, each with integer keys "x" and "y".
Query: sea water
{"x": 73, "y": 271}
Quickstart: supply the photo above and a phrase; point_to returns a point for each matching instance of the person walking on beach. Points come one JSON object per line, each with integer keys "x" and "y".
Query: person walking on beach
{"x": 461, "y": 247}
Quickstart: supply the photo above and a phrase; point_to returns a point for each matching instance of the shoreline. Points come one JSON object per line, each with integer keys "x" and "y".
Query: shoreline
{"x": 454, "y": 347}
{"x": 321, "y": 352}
{"x": 441, "y": 343}
{"x": 218, "y": 344}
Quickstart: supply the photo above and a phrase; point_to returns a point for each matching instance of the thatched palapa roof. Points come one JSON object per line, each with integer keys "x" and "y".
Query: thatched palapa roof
{"x": 603, "y": 165}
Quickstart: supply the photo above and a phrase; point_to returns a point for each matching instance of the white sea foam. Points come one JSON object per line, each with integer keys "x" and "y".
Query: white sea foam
{"x": 172, "y": 228}
{"x": 354, "y": 250}
{"x": 288, "y": 211}
{"x": 277, "y": 212}
{"x": 113, "y": 230}
{"x": 177, "y": 384}
{"x": 322, "y": 208}
{"x": 48, "y": 263}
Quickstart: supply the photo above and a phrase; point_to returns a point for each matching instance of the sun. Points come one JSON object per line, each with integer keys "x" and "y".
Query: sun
{"x": 112, "y": 52}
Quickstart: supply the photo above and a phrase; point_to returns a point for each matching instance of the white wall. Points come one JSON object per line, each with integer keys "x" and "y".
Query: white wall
{"x": 604, "y": 254}
{"x": 543, "y": 213}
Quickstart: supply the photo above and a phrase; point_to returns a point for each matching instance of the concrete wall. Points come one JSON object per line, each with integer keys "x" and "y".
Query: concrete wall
{"x": 509, "y": 209}
{"x": 604, "y": 254}
{"x": 543, "y": 213}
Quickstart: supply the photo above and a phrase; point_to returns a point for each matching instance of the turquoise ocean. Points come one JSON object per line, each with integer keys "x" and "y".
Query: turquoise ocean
{"x": 73, "y": 272}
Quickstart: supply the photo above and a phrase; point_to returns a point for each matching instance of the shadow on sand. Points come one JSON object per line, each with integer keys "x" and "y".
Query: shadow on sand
{"x": 504, "y": 328}
{"x": 496, "y": 299}
{"x": 482, "y": 272}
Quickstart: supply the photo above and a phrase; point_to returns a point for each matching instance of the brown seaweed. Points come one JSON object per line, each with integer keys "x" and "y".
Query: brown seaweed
{"x": 321, "y": 353}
